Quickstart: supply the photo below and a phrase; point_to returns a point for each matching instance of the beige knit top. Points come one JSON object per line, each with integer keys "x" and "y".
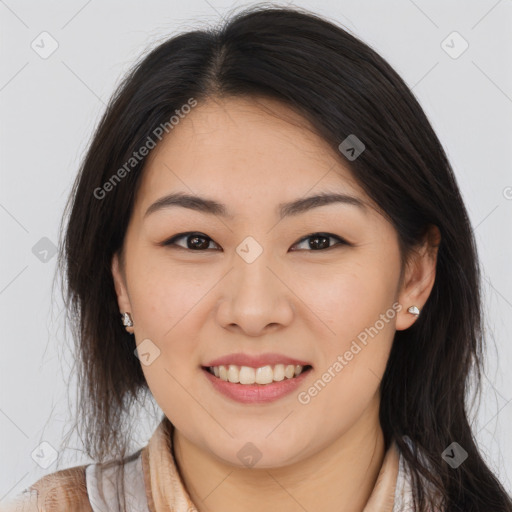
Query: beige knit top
{"x": 153, "y": 484}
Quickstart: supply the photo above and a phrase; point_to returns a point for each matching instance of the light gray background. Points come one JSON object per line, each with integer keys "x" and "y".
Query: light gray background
{"x": 50, "y": 107}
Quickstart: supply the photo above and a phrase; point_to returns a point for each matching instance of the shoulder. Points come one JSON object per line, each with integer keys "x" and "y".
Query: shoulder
{"x": 86, "y": 488}
{"x": 62, "y": 490}
{"x": 118, "y": 485}
{"x": 405, "y": 489}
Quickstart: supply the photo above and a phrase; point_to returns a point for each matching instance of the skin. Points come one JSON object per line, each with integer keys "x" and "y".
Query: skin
{"x": 252, "y": 154}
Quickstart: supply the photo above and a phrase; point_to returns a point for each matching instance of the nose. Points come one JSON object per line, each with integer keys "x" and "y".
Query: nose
{"x": 256, "y": 297}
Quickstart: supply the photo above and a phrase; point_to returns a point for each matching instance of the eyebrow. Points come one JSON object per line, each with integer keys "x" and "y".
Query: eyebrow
{"x": 212, "y": 207}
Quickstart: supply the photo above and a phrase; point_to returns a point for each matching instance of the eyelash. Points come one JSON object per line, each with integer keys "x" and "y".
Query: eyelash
{"x": 172, "y": 241}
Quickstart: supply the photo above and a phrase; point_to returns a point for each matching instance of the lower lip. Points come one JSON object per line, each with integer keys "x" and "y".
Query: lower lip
{"x": 255, "y": 393}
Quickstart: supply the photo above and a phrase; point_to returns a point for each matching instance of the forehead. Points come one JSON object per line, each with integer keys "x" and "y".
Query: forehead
{"x": 243, "y": 149}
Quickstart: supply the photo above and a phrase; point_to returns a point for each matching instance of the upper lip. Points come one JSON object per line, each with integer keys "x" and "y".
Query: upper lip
{"x": 256, "y": 361}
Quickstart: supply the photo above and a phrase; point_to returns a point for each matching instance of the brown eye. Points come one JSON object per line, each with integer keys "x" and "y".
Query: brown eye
{"x": 194, "y": 241}
{"x": 321, "y": 241}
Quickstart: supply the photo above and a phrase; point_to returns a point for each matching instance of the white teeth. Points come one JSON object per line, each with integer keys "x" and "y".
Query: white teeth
{"x": 247, "y": 374}
{"x": 263, "y": 375}
{"x": 279, "y": 372}
{"x": 233, "y": 374}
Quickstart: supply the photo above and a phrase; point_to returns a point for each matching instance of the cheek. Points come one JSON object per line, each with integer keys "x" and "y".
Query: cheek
{"x": 356, "y": 304}
{"x": 163, "y": 295}
{"x": 351, "y": 298}
{"x": 353, "y": 360}
{"x": 163, "y": 303}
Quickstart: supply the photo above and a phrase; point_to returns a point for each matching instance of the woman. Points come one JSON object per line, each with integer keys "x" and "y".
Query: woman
{"x": 267, "y": 220}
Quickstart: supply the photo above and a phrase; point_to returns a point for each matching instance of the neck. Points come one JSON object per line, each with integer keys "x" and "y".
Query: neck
{"x": 340, "y": 477}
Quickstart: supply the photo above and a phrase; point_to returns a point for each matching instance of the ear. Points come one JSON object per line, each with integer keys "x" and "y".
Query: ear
{"x": 123, "y": 300}
{"x": 419, "y": 277}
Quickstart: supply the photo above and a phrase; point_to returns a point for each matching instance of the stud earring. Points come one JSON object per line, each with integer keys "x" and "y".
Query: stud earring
{"x": 127, "y": 319}
{"x": 413, "y": 310}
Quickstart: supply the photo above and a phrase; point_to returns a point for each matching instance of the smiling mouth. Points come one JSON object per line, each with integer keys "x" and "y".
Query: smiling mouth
{"x": 263, "y": 375}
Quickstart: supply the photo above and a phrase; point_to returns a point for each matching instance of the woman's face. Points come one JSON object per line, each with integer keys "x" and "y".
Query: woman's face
{"x": 252, "y": 283}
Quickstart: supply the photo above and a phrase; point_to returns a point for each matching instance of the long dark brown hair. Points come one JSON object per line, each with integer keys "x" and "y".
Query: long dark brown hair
{"x": 342, "y": 87}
